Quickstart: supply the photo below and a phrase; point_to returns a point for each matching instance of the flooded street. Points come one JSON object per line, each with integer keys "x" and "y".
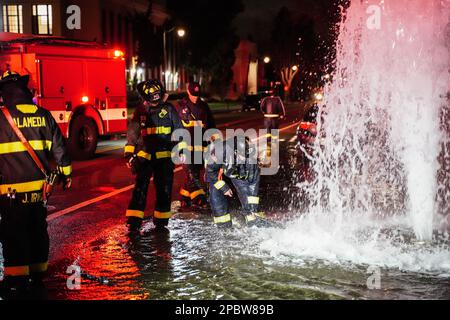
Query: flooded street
{"x": 196, "y": 261}
{"x": 321, "y": 127}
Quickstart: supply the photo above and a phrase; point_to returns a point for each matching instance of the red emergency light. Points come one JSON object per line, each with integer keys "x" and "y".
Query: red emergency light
{"x": 119, "y": 53}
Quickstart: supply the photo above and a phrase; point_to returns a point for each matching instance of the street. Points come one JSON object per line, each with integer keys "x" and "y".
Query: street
{"x": 92, "y": 215}
{"x": 350, "y": 201}
{"x": 194, "y": 260}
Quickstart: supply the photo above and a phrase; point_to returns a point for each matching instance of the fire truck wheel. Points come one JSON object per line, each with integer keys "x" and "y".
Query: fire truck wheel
{"x": 83, "y": 138}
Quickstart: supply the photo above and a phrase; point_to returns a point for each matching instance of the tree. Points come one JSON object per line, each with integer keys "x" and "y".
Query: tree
{"x": 287, "y": 76}
{"x": 149, "y": 38}
{"x": 211, "y": 39}
{"x": 283, "y": 42}
{"x": 307, "y": 41}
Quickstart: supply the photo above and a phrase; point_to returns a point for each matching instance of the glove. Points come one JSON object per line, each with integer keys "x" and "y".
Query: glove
{"x": 59, "y": 177}
{"x": 131, "y": 162}
{"x": 66, "y": 182}
{"x": 134, "y": 163}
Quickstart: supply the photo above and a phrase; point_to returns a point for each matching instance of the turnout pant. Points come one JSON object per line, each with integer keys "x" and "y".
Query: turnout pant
{"x": 248, "y": 196}
{"x": 271, "y": 124}
{"x": 192, "y": 190}
{"x": 162, "y": 172}
{"x": 24, "y": 236}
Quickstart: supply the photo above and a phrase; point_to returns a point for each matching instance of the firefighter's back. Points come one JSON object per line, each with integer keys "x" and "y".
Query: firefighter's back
{"x": 27, "y": 134}
{"x": 19, "y": 172}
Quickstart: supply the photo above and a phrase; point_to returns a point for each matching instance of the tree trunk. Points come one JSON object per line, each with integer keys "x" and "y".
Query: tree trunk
{"x": 287, "y": 75}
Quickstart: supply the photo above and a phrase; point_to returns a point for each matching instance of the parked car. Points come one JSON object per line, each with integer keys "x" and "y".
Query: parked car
{"x": 253, "y": 101}
{"x": 307, "y": 131}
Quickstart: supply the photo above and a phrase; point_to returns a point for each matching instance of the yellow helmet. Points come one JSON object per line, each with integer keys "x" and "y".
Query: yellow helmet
{"x": 151, "y": 90}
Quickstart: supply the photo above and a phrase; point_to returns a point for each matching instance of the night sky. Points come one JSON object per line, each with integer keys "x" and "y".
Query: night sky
{"x": 258, "y": 17}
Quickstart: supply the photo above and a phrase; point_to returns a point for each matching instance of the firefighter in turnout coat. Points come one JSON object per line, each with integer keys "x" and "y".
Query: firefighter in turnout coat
{"x": 23, "y": 225}
{"x": 148, "y": 154}
{"x": 196, "y": 118}
{"x": 235, "y": 159}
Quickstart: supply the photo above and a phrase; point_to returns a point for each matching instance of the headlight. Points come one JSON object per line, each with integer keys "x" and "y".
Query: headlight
{"x": 318, "y": 96}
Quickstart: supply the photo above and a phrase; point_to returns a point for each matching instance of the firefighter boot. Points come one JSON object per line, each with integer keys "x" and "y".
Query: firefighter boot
{"x": 160, "y": 224}
{"x": 38, "y": 288}
{"x": 223, "y": 221}
{"x": 134, "y": 224}
{"x": 225, "y": 226}
{"x": 200, "y": 202}
{"x": 15, "y": 288}
{"x": 186, "y": 204}
{"x": 255, "y": 220}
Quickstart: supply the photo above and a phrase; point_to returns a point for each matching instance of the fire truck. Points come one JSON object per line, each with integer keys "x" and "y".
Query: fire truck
{"x": 81, "y": 83}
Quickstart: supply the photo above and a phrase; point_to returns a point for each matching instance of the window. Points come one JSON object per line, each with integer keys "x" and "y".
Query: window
{"x": 42, "y": 19}
{"x": 12, "y": 20}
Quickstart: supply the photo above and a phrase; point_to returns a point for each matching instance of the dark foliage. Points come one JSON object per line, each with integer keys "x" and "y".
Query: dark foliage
{"x": 149, "y": 38}
{"x": 311, "y": 34}
{"x": 211, "y": 39}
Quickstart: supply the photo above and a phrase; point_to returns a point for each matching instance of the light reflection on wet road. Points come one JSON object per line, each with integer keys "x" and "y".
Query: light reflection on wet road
{"x": 194, "y": 260}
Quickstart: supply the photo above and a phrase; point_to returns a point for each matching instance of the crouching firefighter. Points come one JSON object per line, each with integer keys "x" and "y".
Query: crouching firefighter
{"x": 196, "y": 117}
{"x": 237, "y": 160}
{"x": 148, "y": 154}
{"x": 28, "y": 134}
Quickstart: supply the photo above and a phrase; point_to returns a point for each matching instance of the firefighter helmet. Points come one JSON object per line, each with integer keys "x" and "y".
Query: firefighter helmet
{"x": 14, "y": 77}
{"x": 151, "y": 90}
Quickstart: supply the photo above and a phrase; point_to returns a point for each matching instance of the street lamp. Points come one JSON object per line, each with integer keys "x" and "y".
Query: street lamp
{"x": 180, "y": 33}
{"x": 266, "y": 60}
{"x": 294, "y": 68}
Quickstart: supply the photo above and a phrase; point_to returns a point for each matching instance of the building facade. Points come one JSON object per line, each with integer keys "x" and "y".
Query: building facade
{"x": 245, "y": 70}
{"x": 103, "y": 21}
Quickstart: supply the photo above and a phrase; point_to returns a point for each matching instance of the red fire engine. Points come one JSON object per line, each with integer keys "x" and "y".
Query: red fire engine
{"x": 81, "y": 83}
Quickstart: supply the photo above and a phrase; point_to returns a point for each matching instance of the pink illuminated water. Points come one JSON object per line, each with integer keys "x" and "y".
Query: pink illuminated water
{"x": 382, "y": 125}
{"x": 374, "y": 200}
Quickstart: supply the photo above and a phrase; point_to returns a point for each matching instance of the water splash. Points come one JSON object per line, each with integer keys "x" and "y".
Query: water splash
{"x": 358, "y": 242}
{"x": 376, "y": 186}
{"x": 380, "y": 156}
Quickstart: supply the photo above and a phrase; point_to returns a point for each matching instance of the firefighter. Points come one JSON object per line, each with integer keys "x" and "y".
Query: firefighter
{"x": 148, "y": 154}
{"x": 235, "y": 159}
{"x": 273, "y": 110}
{"x": 23, "y": 227}
{"x": 196, "y": 117}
